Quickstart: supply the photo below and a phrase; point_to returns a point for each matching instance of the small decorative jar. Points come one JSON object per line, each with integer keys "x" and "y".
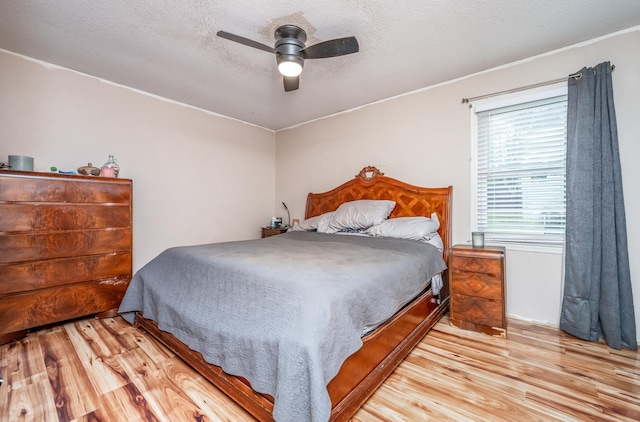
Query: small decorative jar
{"x": 89, "y": 170}
{"x": 110, "y": 168}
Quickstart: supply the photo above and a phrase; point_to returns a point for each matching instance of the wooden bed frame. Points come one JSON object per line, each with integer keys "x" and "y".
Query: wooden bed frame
{"x": 383, "y": 350}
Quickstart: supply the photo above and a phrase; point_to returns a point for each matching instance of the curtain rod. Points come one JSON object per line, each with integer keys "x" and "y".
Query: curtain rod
{"x": 523, "y": 88}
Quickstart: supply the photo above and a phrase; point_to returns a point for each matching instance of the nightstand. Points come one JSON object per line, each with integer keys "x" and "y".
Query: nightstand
{"x": 268, "y": 231}
{"x": 477, "y": 289}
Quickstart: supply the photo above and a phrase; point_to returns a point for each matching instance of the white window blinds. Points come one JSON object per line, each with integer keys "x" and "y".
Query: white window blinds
{"x": 521, "y": 171}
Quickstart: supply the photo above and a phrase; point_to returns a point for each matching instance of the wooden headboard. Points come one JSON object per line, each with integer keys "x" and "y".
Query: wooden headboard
{"x": 411, "y": 201}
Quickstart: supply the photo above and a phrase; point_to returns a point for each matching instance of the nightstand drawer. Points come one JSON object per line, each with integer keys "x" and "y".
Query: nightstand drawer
{"x": 268, "y": 231}
{"x": 484, "y": 265}
{"x": 476, "y": 284}
{"x": 479, "y": 311}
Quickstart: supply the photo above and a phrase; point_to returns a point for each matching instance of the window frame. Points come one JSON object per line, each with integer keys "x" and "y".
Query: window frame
{"x": 499, "y": 101}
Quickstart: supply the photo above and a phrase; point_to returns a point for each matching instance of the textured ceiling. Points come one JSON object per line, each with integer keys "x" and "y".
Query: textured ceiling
{"x": 169, "y": 48}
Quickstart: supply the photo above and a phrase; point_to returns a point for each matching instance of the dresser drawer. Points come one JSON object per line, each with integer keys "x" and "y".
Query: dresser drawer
{"x": 23, "y": 311}
{"x": 34, "y": 275}
{"x": 26, "y": 188}
{"x": 29, "y": 247}
{"x": 39, "y": 217}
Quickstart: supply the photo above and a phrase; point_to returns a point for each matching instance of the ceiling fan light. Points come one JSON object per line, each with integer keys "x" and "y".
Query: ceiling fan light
{"x": 290, "y": 68}
{"x": 289, "y": 65}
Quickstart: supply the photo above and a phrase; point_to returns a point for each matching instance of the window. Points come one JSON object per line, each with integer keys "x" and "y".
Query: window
{"x": 519, "y": 167}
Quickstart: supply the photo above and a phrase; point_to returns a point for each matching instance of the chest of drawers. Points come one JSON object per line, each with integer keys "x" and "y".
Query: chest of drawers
{"x": 65, "y": 248}
{"x": 478, "y": 289}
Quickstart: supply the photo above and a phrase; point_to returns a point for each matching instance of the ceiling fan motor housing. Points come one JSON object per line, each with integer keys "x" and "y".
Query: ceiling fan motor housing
{"x": 289, "y": 44}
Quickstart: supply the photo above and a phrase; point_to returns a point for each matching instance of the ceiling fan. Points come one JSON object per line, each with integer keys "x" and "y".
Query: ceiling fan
{"x": 291, "y": 51}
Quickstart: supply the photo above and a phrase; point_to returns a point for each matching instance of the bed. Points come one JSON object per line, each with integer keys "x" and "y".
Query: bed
{"x": 317, "y": 368}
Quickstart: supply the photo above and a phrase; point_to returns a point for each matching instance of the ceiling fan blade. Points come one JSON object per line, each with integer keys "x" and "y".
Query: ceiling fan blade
{"x": 291, "y": 83}
{"x": 332, "y": 48}
{"x": 245, "y": 41}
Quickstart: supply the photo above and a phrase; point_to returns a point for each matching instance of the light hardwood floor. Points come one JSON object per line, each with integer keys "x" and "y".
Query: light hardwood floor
{"x": 106, "y": 370}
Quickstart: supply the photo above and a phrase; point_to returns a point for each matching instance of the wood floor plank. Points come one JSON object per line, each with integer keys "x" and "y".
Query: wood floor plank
{"x": 96, "y": 416}
{"x": 109, "y": 371}
{"x": 107, "y": 329}
{"x": 477, "y": 399}
{"x": 390, "y": 404}
{"x": 127, "y": 403}
{"x": 73, "y": 392}
{"x": 29, "y": 402}
{"x": 154, "y": 349}
{"x": 571, "y": 409}
{"x": 85, "y": 331}
{"x": 212, "y": 402}
{"x": 22, "y": 361}
{"x": 104, "y": 371}
{"x": 160, "y": 391}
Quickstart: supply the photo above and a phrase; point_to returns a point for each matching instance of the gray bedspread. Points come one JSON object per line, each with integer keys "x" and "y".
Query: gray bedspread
{"x": 285, "y": 311}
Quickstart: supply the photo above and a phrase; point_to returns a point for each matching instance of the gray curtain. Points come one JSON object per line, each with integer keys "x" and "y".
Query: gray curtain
{"x": 597, "y": 301}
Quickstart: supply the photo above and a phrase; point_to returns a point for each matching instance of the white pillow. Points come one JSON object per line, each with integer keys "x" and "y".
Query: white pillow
{"x": 360, "y": 214}
{"x": 415, "y": 228}
{"x": 313, "y": 223}
{"x": 323, "y": 224}
{"x": 436, "y": 241}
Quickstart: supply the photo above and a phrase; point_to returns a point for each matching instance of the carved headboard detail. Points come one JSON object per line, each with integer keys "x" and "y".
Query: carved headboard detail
{"x": 410, "y": 200}
{"x": 369, "y": 173}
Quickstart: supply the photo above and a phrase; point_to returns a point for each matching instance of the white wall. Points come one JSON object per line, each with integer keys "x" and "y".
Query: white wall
{"x": 423, "y": 138}
{"x": 197, "y": 177}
